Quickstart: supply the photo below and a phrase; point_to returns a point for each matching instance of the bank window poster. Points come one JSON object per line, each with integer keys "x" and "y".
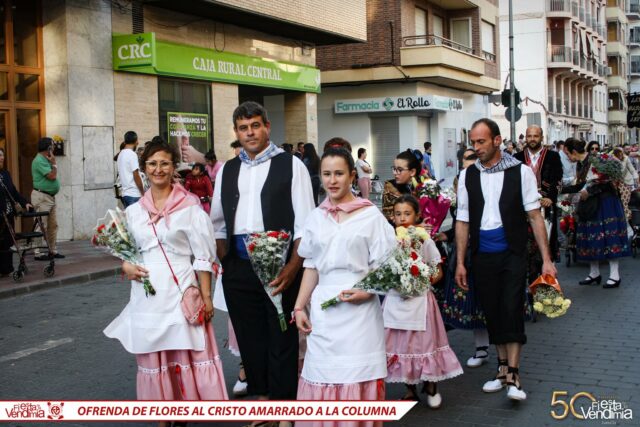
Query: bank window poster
{"x": 184, "y": 129}
{"x": 450, "y": 153}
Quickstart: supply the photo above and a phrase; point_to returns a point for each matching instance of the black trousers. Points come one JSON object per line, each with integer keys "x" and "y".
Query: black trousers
{"x": 500, "y": 281}
{"x": 270, "y": 356}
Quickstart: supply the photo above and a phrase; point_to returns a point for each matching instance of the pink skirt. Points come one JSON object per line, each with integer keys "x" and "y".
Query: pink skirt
{"x": 416, "y": 356}
{"x": 368, "y": 390}
{"x": 182, "y": 374}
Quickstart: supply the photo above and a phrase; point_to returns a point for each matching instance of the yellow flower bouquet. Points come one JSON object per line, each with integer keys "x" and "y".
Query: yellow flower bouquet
{"x": 548, "y": 298}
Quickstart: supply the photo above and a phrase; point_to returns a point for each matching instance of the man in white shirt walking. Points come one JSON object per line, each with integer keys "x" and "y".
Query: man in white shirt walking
{"x": 129, "y": 170}
{"x": 262, "y": 189}
{"x": 496, "y": 196}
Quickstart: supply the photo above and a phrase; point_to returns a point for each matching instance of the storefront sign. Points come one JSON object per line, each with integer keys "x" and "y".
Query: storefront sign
{"x": 398, "y": 103}
{"x": 188, "y": 129}
{"x": 141, "y": 53}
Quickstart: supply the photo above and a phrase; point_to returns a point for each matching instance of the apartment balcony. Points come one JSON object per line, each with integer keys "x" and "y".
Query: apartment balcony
{"x": 616, "y": 14}
{"x": 617, "y": 82}
{"x": 559, "y": 9}
{"x": 633, "y": 10}
{"x": 634, "y": 69}
{"x": 447, "y": 63}
{"x": 434, "y": 50}
{"x": 560, "y": 57}
{"x": 617, "y": 116}
{"x": 615, "y": 48}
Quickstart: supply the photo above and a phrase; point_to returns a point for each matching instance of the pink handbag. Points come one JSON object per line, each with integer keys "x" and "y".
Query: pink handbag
{"x": 192, "y": 303}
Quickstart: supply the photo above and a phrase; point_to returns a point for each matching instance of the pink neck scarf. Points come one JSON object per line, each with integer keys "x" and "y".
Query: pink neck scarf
{"x": 178, "y": 199}
{"x": 347, "y": 207}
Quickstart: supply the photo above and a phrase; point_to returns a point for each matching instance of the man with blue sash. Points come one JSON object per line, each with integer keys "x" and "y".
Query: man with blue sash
{"x": 262, "y": 189}
{"x": 496, "y": 197}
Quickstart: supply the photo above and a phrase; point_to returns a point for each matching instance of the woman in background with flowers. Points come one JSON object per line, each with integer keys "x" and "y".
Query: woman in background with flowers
{"x": 176, "y": 359}
{"x": 417, "y": 344}
{"x": 603, "y": 235}
{"x": 406, "y": 168}
{"x": 343, "y": 240}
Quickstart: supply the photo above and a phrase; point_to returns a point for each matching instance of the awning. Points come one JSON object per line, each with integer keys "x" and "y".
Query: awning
{"x": 583, "y": 37}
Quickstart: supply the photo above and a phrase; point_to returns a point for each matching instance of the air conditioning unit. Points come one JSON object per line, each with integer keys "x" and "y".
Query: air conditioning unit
{"x": 608, "y": 71}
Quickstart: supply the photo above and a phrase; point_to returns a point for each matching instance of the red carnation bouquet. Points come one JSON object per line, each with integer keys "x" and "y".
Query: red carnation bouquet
{"x": 404, "y": 270}
{"x": 268, "y": 254}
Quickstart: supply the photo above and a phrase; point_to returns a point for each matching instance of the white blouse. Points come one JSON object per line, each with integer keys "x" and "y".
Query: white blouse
{"x": 156, "y": 322}
{"x": 346, "y": 344}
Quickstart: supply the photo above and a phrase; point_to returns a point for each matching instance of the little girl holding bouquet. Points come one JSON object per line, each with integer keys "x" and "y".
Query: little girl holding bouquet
{"x": 417, "y": 344}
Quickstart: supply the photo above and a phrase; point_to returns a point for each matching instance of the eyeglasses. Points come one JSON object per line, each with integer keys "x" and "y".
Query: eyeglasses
{"x": 471, "y": 157}
{"x": 398, "y": 170}
{"x": 595, "y": 149}
{"x": 154, "y": 165}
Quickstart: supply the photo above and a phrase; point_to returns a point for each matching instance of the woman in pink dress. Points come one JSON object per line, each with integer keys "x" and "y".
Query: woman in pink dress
{"x": 417, "y": 344}
{"x": 176, "y": 360}
{"x": 343, "y": 239}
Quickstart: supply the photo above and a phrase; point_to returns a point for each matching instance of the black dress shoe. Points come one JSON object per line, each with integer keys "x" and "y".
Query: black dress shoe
{"x": 611, "y": 284}
{"x": 59, "y": 256}
{"x": 590, "y": 280}
{"x": 42, "y": 258}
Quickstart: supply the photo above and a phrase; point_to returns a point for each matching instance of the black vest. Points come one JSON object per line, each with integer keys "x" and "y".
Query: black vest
{"x": 512, "y": 213}
{"x": 275, "y": 198}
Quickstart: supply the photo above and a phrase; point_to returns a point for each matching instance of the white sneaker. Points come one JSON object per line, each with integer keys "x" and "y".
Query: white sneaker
{"x": 515, "y": 393}
{"x": 240, "y": 388}
{"x": 434, "y": 401}
{"x": 492, "y": 386}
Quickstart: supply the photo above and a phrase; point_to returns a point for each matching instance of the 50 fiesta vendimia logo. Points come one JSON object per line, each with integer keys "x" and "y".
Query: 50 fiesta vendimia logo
{"x": 585, "y": 406}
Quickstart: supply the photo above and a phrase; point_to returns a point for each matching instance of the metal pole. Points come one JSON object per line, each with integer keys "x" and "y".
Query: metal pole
{"x": 512, "y": 87}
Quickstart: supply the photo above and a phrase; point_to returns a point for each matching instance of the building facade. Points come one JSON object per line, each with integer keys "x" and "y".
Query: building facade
{"x": 423, "y": 75}
{"x": 560, "y": 62}
{"x": 87, "y": 71}
{"x": 618, "y": 62}
{"x": 633, "y": 44}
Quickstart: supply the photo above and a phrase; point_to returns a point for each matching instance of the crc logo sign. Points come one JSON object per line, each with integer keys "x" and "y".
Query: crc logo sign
{"x": 139, "y": 50}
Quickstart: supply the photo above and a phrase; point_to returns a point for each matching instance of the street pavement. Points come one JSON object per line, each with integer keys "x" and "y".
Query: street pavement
{"x": 52, "y": 348}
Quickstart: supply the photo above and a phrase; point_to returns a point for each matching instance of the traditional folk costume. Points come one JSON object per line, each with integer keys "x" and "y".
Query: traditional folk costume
{"x": 271, "y": 192}
{"x": 547, "y": 168}
{"x": 416, "y": 341}
{"x": 494, "y": 201}
{"x": 346, "y": 358}
{"x": 176, "y": 360}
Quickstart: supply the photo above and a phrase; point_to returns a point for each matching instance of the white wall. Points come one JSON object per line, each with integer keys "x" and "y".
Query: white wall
{"x": 530, "y": 61}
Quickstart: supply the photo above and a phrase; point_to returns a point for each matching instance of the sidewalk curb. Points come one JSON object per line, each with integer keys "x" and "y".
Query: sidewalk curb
{"x": 57, "y": 283}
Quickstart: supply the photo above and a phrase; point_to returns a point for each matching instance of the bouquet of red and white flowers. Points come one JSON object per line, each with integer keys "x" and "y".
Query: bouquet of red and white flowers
{"x": 434, "y": 201}
{"x": 607, "y": 167}
{"x": 268, "y": 254}
{"x": 112, "y": 233}
{"x": 404, "y": 270}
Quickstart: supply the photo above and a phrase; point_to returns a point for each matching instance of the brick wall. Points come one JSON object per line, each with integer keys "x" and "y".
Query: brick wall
{"x": 378, "y": 48}
{"x": 338, "y": 16}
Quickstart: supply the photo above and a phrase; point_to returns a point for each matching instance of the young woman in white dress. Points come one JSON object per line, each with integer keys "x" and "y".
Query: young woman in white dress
{"x": 176, "y": 360}
{"x": 344, "y": 239}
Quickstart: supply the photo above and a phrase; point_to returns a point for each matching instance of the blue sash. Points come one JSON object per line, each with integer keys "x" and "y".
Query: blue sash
{"x": 493, "y": 241}
{"x": 241, "y": 248}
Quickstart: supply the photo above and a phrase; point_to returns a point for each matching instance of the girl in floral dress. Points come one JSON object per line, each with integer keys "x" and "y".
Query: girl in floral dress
{"x": 417, "y": 344}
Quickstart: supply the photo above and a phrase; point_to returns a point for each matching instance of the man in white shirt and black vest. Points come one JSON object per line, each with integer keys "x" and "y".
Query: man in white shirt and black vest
{"x": 496, "y": 196}
{"x": 262, "y": 189}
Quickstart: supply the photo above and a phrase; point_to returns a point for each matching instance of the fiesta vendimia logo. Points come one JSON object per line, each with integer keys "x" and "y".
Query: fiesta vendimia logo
{"x": 585, "y": 406}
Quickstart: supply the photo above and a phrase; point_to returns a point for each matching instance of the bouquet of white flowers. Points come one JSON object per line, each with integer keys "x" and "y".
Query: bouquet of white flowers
{"x": 268, "y": 254}
{"x": 404, "y": 270}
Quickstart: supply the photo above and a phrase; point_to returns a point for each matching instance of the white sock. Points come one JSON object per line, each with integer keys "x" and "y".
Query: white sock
{"x": 595, "y": 269}
{"x": 614, "y": 272}
{"x": 481, "y": 337}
